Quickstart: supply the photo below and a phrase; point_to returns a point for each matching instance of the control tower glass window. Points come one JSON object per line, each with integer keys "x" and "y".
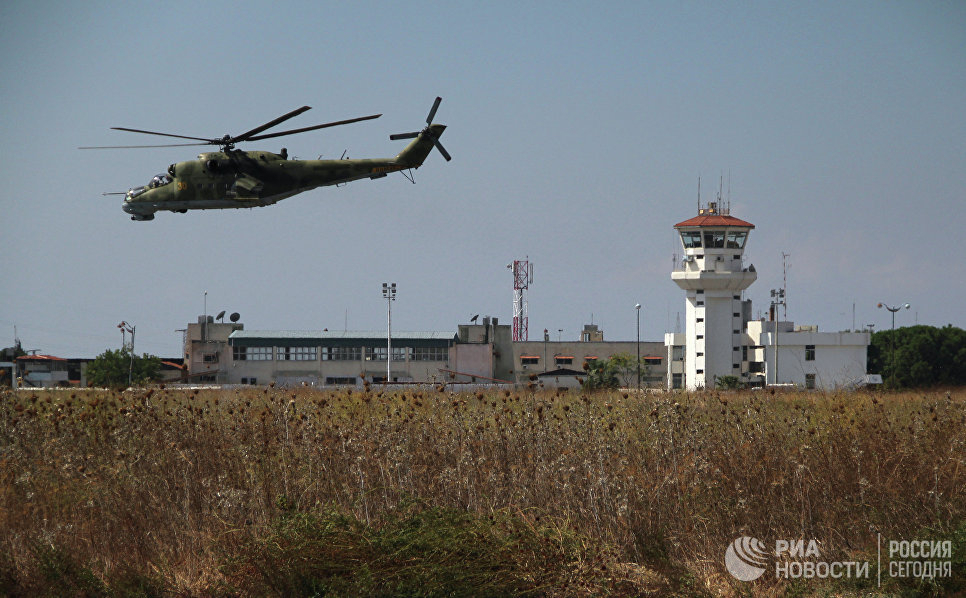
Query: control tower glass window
{"x": 691, "y": 238}
{"x": 736, "y": 239}
{"x": 714, "y": 239}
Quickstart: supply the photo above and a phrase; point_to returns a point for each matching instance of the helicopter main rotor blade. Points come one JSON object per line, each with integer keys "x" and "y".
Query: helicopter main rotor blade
{"x": 432, "y": 113}
{"x": 162, "y": 134}
{"x": 89, "y": 147}
{"x": 248, "y": 135}
{"x": 396, "y": 136}
{"x": 312, "y": 128}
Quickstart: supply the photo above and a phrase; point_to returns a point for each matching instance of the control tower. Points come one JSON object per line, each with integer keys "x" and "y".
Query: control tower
{"x": 713, "y": 277}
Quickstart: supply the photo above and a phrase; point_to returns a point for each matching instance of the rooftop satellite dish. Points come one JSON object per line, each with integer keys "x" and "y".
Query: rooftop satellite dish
{"x": 221, "y": 315}
{"x": 234, "y": 317}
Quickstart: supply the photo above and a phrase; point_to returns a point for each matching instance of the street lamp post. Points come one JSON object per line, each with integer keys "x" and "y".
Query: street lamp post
{"x": 637, "y": 307}
{"x": 894, "y": 310}
{"x": 389, "y": 294}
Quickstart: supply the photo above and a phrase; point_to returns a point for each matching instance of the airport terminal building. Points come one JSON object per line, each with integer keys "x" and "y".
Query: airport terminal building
{"x": 226, "y": 353}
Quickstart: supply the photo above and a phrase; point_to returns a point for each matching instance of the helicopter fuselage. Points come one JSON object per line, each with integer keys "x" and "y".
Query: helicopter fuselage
{"x": 239, "y": 179}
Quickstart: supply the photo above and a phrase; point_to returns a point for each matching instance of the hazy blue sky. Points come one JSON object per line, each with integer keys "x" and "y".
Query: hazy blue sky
{"x": 578, "y": 132}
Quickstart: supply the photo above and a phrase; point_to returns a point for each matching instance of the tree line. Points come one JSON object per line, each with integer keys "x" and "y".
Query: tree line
{"x": 919, "y": 356}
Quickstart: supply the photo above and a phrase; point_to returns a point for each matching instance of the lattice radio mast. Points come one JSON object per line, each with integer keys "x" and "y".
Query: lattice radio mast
{"x": 522, "y": 279}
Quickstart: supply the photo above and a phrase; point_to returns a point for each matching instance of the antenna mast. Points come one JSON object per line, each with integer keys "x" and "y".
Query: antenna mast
{"x": 522, "y": 279}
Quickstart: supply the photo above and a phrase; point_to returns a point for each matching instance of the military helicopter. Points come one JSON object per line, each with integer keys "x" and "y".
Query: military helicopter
{"x": 233, "y": 178}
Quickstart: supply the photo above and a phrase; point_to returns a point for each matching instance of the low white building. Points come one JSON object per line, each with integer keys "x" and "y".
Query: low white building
{"x": 806, "y": 357}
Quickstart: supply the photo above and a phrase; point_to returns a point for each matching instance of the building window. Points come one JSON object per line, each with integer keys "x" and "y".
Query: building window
{"x": 251, "y": 381}
{"x": 698, "y": 371}
{"x": 700, "y": 320}
{"x": 563, "y": 360}
{"x": 376, "y": 353}
{"x": 652, "y": 360}
{"x": 340, "y": 380}
{"x": 736, "y": 366}
{"x": 810, "y": 381}
{"x": 736, "y": 240}
{"x": 677, "y": 380}
{"x": 744, "y": 353}
{"x": 341, "y": 354}
{"x": 700, "y": 354}
{"x": 700, "y": 302}
{"x": 737, "y": 314}
{"x": 297, "y": 353}
{"x": 756, "y": 367}
{"x": 401, "y": 353}
{"x": 252, "y": 353}
{"x": 431, "y": 354}
{"x": 210, "y": 358}
{"x": 677, "y": 353}
{"x": 699, "y": 336}
{"x": 529, "y": 360}
{"x": 809, "y": 352}
{"x": 691, "y": 238}
{"x": 714, "y": 239}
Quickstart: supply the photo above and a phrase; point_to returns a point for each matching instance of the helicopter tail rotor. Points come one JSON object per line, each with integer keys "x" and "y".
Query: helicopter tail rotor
{"x": 430, "y": 132}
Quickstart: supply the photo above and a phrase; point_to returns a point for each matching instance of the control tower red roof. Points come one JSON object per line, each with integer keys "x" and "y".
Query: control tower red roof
{"x": 714, "y": 220}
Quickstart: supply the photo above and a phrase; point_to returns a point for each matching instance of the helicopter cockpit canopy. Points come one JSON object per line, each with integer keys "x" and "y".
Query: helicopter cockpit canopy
{"x": 159, "y": 180}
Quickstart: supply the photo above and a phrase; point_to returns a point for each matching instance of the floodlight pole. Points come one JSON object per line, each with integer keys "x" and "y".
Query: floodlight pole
{"x": 389, "y": 293}
{"x": 894, "y": 310}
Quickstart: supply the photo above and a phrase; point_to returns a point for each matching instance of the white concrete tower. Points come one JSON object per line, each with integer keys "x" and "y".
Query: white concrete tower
{"x": 713, "y": 276}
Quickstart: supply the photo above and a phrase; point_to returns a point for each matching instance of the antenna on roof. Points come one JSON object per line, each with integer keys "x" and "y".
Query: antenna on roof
{"x": 699, "y": 193}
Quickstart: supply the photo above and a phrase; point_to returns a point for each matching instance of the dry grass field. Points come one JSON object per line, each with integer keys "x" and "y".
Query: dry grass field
{"x": 428, "y": 492}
